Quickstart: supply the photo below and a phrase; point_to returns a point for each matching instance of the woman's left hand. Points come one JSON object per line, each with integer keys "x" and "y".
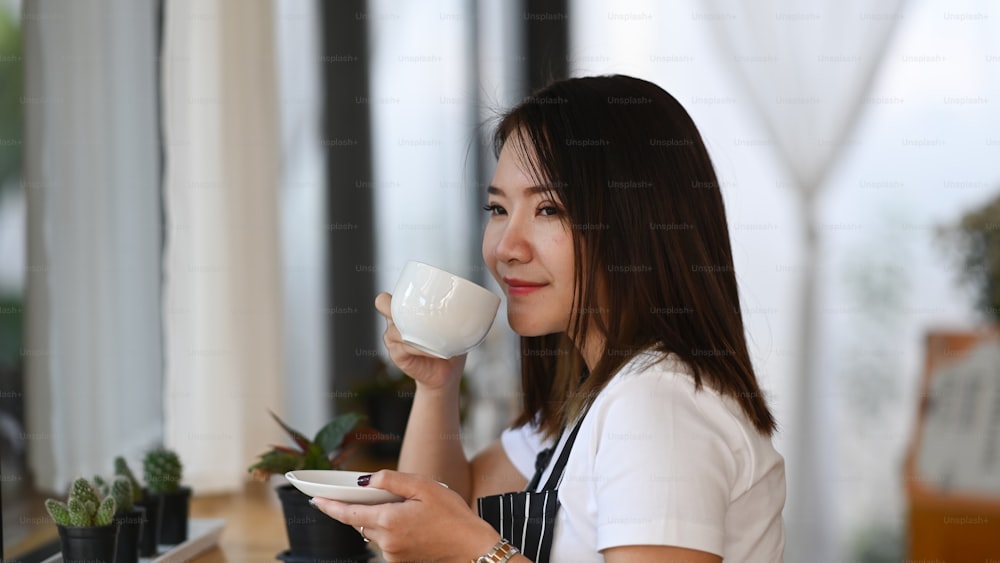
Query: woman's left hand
{"x": 433, "y": 524}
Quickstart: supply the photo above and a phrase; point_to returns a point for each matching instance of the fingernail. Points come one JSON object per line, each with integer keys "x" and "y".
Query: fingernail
{"x": 312, "y": 503}
{"x": 364, "y": 480}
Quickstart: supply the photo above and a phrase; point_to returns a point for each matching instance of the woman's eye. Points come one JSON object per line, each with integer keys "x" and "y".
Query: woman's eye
{"x": 494, "y": 209}
{"x": 548, "y": 210}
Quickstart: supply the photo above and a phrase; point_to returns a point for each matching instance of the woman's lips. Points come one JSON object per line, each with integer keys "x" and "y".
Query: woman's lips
{"x": 521, "y": 287}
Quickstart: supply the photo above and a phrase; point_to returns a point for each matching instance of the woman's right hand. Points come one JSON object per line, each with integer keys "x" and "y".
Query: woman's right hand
{"x": 428, "y": 371}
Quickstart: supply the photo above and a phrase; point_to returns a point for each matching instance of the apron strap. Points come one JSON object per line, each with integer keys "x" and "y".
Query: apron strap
{"x": 557, "y": 471}
{"x": 545, "y": 456}
{"x": 542, "y": 463}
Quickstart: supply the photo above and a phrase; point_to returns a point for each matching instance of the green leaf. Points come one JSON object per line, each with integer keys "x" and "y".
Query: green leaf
{"x": 316, "y": 458}
{"x": 330, "y": 438}
{"x": 299, "y": 438}
{"x": 278, "y": 462}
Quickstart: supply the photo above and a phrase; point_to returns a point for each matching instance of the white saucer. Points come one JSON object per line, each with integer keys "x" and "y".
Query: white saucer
{"x": 338, "y": 485}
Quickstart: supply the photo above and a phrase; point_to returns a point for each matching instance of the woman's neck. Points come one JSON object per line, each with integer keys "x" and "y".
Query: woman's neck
{"x": 592, "y": 349}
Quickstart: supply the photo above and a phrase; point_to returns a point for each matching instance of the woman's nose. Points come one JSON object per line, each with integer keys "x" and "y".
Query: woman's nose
{"x": 513, "y": 244}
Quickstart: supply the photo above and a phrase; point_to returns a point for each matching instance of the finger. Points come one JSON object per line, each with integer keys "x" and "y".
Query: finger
{"x": 391, "y": 335}
{"x": 383, "y": 304}
{"x": 406, "y": 485}
{"x": 351, "y": 514}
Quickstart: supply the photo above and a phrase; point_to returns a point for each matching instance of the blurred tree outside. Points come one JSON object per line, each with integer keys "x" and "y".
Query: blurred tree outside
{"x": 11, "y": 144}
{"x": 975, "y": 240}
{"x": 11, "y": 137}
{"x": 11, "y": 204}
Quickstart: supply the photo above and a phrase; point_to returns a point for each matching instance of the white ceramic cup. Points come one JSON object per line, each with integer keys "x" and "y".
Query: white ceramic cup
{"x": 440, "y": 313}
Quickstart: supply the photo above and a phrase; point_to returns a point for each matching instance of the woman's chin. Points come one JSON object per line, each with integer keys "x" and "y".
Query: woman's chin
{"x": 528, "y": 329}
{"x": 522, "y": 328}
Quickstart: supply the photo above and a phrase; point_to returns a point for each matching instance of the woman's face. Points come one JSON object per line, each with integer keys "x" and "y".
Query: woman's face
{"x": 528, "y": 247}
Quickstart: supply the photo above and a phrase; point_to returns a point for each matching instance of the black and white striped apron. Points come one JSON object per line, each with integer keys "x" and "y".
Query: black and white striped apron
{"x": 527, "y": 518}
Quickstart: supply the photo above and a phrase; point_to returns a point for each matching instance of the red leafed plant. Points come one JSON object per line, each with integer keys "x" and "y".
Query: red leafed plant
{"x": 328, "y": 450}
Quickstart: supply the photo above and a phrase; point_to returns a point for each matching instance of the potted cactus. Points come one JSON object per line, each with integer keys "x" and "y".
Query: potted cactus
{"x": 162, "y": 470}
{"x": 312, "y": 535}
{"x": 128, "y": 517}
{"x": 85, "y": 522}
{"x": 150, "y": 506}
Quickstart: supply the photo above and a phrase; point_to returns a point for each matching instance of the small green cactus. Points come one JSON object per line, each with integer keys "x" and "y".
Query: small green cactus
{"x": 105, "y": 512}
{"x": 58, "y": 511}
{"x": 84, "y": 491}
{"x": 84, "y": 507}
{"x": 121, "y": 491}
{"x": 77, "y": 517}
{"x": 81, "y": 513}
{"x": 122, "y": 469}
{"x": 162, "y": 471}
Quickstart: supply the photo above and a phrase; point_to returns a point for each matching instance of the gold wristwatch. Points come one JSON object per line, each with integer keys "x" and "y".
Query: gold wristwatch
{"x": 500, "y": 553}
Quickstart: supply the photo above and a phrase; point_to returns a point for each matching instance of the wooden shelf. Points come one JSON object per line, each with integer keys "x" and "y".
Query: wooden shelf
{"x": 950, "y": 526}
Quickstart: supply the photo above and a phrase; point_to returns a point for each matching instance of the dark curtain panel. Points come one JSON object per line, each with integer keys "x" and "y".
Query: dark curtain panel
{"x": 350, "y": 211}
{"x": 546, "y": 41}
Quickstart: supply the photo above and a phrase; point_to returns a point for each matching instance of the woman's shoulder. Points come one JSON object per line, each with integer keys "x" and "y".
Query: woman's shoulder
{"x": 654, "y": 397}
{"x": 659, "y": 389}
{"x": 656, "y": 371}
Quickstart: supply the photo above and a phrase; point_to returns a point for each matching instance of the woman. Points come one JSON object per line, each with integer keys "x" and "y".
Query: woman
{"x": 608, "y": 235}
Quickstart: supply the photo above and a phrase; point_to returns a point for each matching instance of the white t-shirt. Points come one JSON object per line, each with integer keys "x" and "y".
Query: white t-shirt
{"x": 658, "y": 463}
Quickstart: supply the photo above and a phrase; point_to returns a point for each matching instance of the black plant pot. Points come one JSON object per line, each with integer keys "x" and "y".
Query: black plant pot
{"x": 174, "y": 509}
{"x": 91, "y": 544}
{"x": 129, "y": 526}
{"x": 314, "y": 536}
{"x": 149, "y": 541}
{"x": 388, "y": 413}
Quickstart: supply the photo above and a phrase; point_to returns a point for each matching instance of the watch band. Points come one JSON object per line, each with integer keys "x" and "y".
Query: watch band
{"x": 499, "y": 553}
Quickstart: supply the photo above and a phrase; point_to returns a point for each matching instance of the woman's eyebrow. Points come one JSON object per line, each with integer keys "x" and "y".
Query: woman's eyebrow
{"x": 531, "y": 190}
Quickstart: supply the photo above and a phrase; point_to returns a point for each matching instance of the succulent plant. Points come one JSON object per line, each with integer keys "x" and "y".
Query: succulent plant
{"x": 327, "y": 450}
{"x": 122, "y": 469}
{"x": 162, "y": 470}
{"x": 121, "y": 491}
{"x": 120, "y": 488}
{"x": 83, "y": 508}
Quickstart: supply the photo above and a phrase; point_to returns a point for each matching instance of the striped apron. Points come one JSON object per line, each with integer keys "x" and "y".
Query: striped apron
{"x": 527, "y": 518}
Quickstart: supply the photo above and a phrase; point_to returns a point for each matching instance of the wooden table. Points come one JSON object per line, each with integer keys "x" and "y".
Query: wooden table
{"x": 255, "y": 527}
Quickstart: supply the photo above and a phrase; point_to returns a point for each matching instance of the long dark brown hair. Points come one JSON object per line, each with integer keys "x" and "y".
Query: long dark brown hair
{"x": 653, "y": 263}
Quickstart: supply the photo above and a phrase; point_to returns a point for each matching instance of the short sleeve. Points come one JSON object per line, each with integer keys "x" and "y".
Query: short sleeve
{"x": 664, "y": 469}
{"x": 522, "y": 445}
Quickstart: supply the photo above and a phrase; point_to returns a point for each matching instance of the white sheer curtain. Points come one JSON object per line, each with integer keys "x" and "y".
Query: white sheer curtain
{"x": 223, "y": 312}
{"x": 93, "y": 338}
{"x": 807, "y": 67}
{"x": 303, "y": 198}
{"x": 776, "y": 88}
